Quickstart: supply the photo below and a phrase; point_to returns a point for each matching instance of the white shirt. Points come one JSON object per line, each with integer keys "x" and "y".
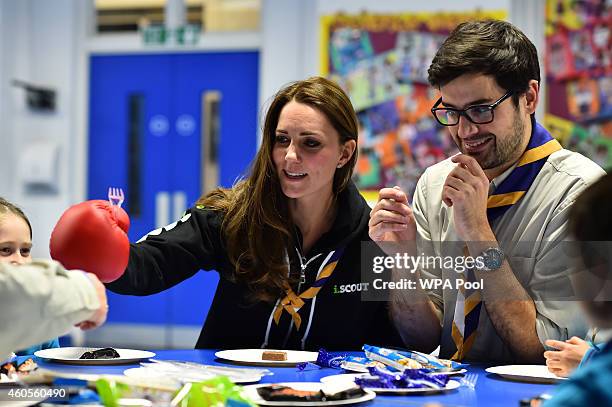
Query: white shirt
{"x": 530, "y": 233}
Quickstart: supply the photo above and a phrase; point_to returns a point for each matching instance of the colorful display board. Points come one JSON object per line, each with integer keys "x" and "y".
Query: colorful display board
{"x": 578, "y": 70}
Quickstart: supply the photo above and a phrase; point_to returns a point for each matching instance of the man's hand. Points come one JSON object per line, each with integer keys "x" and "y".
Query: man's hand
{"x": 99, "y": 316}
{"x": 466, "y": 189}
{"x": 392, "y": 219}
{"x": 566, "y": 359}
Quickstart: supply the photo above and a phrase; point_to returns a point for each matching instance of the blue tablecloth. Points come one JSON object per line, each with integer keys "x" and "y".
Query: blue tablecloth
{"x": 490, "y": 390}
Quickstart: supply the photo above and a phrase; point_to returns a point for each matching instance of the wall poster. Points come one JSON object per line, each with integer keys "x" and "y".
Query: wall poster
{"x": 578, "y": 71}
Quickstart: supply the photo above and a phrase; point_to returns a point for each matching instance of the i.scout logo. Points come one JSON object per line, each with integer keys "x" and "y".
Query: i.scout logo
{"x": 351, "y": 288}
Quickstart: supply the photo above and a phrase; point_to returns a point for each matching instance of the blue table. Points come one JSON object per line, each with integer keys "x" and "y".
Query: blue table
{"x": 490, "y": 389}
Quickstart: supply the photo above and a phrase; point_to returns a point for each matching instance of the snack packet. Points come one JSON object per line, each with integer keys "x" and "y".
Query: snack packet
{"x": 16, "y": 367}
{"x": 360, "y": 364}
{"x": 391, "y": 358}
{"x": 402, "y": 360}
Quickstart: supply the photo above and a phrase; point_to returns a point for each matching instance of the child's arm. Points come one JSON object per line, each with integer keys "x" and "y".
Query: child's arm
{"x": 567, "y": 357}
{"x": 42, "y": 300}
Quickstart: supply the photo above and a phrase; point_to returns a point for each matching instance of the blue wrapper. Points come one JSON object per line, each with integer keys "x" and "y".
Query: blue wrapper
{"x": 408, "y": 379}
{"x": 326, "y": 359}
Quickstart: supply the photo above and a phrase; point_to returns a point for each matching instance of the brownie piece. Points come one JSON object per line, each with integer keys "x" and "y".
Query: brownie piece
{"x": 274, "y": 355}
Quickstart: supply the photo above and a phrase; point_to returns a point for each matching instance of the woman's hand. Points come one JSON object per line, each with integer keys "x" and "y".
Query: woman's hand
{"x": 391, "y": 219}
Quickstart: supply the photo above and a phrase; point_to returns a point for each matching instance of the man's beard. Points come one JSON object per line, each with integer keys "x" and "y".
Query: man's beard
{"x": 505, "y": 150}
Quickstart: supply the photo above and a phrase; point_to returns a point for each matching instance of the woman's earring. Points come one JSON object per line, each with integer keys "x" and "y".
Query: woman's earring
{"x": 339, "y": 166}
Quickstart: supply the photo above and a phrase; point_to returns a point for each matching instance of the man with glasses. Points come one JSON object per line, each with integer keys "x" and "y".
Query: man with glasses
{"x": 504, "y": 198}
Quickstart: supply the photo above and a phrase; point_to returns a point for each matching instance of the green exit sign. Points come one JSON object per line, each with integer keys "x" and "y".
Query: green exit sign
{"x": 160, "y": 35}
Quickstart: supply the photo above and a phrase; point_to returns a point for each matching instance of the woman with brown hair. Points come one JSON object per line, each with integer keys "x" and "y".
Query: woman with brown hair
{"x": 286, "y": 240}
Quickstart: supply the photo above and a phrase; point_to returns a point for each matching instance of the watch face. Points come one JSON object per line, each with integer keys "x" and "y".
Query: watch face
{"x": 493, "y": 258}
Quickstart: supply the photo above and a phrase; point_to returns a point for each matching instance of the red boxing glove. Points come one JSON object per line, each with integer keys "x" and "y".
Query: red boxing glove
{"x": 87, "y": 237}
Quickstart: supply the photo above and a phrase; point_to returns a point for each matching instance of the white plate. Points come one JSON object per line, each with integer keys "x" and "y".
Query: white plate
{"x": 251, "y": 393}
{"x": 253, "y": 357}
{"x": 350, "y": 378}
{"x": 72, "y": 355}
{"x": 526, "y": 373}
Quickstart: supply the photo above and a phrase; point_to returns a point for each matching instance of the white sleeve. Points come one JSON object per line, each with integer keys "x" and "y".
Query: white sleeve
{"x": 40, "y": 301}
{"x": 424, "y": 242}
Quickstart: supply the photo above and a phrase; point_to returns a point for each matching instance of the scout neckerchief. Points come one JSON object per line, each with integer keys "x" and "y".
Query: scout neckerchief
{"x": 509, "y": 192}
{"x": 292, "y": 302}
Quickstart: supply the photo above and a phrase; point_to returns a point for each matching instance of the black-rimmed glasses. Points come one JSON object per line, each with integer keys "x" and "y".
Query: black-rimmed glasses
{"x": 477, "y": 114}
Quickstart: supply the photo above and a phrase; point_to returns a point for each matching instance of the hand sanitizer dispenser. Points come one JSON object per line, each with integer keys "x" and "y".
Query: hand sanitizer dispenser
{"x": 39, "y": 167}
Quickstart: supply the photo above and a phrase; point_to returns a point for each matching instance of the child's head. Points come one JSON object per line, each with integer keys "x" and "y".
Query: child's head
{"x": 591, "y": 225}
{"x": 15, "y": 234}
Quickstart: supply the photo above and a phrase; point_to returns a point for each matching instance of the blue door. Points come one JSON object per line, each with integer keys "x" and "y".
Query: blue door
{"x": 146, "y": 128}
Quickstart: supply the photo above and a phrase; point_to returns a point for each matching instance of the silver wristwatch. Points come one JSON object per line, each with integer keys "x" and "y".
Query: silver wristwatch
{"x": 492, "y": 259}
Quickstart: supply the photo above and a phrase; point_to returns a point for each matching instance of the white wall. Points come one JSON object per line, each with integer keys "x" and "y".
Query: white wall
{"x": 529, "y": 16}
{"x": 37, "y": 47}
{"x": 284, "y": 34}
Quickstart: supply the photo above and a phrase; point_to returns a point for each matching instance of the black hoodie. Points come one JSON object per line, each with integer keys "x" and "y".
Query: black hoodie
{"x": 334, "y": 320}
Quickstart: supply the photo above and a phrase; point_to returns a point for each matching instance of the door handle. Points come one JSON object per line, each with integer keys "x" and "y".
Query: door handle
{"x": 162, "y": 209}
{"x": 179, "y": 205}
{"x": 210, "y": 138}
